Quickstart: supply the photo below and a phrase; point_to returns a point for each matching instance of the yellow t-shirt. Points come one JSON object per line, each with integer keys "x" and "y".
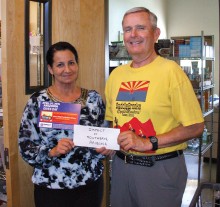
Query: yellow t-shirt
{"x": 151, "y": 100}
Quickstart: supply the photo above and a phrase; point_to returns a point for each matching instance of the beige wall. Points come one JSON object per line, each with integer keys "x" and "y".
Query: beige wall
{"x": 80, "y": 22}
{"x": 117, "y": 8}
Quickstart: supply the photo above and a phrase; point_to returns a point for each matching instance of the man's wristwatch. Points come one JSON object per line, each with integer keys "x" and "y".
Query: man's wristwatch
{"x": 154, "y": 142}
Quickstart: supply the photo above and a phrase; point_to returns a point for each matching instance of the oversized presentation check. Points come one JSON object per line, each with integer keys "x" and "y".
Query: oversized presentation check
{"x": 96, "y": 137}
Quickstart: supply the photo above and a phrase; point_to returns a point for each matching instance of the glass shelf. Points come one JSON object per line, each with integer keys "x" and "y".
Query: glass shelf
{"x": 195, "y": 152}
{"x": 208, "y": 112}
{"x": 202, "y": 82}
{"x": 120, "y": 59}
{"x": 190, "y": 58}
{"x": 204, "y": 88}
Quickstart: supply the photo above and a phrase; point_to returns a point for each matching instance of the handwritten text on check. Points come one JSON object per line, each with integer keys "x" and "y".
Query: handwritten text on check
{"x": 96, "y": 137}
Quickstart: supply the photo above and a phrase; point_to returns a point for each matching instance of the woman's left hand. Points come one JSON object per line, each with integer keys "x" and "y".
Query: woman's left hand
{"x": 105, "y": 151}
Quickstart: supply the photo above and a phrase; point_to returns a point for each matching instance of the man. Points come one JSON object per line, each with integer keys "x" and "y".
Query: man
{"x": 153, "y": 103}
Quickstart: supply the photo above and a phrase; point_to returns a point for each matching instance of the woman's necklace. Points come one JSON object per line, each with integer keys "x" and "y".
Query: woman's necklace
{"x": 52, "y": 97}
{"x": 81, "y": 100}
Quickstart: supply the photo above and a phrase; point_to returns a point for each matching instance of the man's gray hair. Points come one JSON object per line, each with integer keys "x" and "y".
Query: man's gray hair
{"x": 153, "y": 17}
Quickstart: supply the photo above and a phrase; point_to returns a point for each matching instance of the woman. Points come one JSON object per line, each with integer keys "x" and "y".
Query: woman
{"x": 64, "y": 175}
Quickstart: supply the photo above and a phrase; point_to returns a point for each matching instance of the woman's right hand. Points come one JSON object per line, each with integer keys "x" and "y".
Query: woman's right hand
{"x": 64, "y": 146}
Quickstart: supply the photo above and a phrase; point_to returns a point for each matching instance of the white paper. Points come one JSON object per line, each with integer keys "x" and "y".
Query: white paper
{"x": 96, "y": 137}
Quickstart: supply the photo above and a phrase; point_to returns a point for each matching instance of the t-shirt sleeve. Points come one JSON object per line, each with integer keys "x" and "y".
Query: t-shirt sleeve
{"x": 108, "y": 112}
{"x": 186, "y": 107}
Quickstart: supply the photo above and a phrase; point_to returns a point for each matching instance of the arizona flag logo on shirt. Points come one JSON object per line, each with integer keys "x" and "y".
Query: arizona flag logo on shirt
{"x": 133, "y": 91}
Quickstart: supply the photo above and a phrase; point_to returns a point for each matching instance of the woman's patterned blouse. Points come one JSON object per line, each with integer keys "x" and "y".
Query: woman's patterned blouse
{"x": 81, "y": 165}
